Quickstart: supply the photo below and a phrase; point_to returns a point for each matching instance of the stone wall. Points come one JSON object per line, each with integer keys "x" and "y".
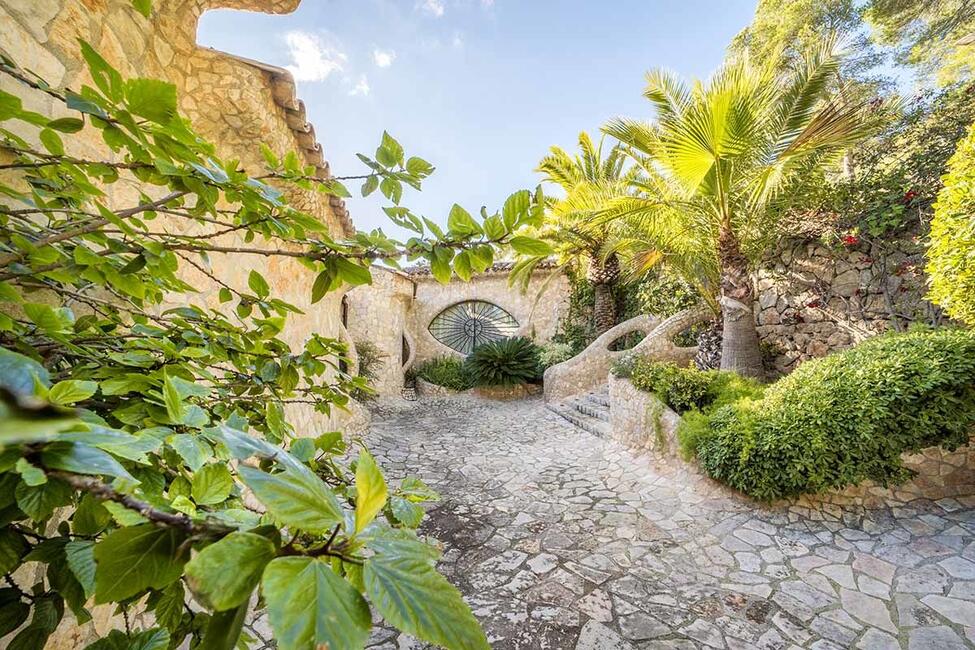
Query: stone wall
{"x": 641, "y": 420}
{"x": 814, "y": 299}
{"x": 379, "y": 313}
{"x": 235, "y": 103}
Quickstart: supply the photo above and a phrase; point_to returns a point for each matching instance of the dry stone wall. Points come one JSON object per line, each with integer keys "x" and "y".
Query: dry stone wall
{"x": 813, "y": 299}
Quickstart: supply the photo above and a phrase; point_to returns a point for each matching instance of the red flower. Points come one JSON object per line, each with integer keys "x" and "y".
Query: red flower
{"x": 851, "y": 240}
{"x": 909, "y": 196}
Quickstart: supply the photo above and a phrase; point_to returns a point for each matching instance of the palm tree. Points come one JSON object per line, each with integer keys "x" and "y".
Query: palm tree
{"x": 589, "y": 182}
{"x": 718, "y": 153}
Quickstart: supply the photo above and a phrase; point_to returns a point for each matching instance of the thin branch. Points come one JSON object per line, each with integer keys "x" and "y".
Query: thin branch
{"x": 10, "y": 258}
{"x": 105, "y": 492}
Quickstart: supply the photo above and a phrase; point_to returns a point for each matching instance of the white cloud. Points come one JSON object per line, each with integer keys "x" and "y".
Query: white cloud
{"x": 383, "y": 58}
{"x": 487, "y": 3}
{"x": 311, "y": 58}
{"x": 458, "y": 40}
{"x": 361, "y": 88}
{"x": 433, "y": 7}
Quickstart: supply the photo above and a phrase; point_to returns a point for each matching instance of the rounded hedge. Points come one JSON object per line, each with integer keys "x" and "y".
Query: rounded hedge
{"x": 847, "y": 417}
{"x": 951, "y": 257}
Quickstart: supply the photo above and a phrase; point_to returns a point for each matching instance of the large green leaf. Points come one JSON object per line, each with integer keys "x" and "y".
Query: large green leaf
{"x": 79, "y": 458}
{"x": 17, "y": 373}
{"x": 13, "y": 611}
{"x": 224, "y": 574}
{"x": 39, "y": 502}
{"x": 132, "y": 559}
{"x": 71, "y": 391}
{"x": 412, "y": 596}
{"x": 529, "y": 246}
{"x": 212, "y": 485}
{"x": 152, "y": 99}
{"x": 223, "y": 629}
{"x": 13, "y": 546}
{"x": 80, "y": 555}
{"x": 371, "y": 490}
{"x": 310, "y": 606}
{"x": 296, "y": 497}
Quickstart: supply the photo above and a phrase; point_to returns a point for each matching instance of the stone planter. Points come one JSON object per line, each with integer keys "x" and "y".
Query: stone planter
{"x": 426, "y": 389}
{"x": 641, "y": 420}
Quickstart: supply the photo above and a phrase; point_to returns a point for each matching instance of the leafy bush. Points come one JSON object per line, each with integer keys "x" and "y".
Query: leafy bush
{"x": 127, "y": 404}
{"x": 680, "y": 388}
{"x": 623, "y": 366}
{"x": 847, "y": 417}
{"x": 505, "y": 362}
{"x": 552, "y": 353}
{"x": 951, "y": 258}
{"x": 449, "y": 372}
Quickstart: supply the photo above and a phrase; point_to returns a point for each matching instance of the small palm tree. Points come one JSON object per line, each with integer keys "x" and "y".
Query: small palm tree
{"x": 589, "y": 181}
{"x": 718, "y": 153}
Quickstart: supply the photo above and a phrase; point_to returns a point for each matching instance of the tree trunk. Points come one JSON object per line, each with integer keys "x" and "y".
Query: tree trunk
{"x": 603, "y": 276}
{"x": 740, "y": 351}
{"x": 604, "y": 311}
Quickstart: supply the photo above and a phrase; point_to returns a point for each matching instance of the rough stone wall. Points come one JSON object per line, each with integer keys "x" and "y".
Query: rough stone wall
{"x": 537, "y": 317}
{"x": 641, "y": 420}
{"x": 813, "y": 300}
{"x": 378, "y": 313}
{"x": 234, "y": 103}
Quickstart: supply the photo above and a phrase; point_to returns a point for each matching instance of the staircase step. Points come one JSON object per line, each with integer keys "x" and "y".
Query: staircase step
{"x": 601, "y": 398}
{"x": 585, "y": 422}
{"x": 593, "y": 409}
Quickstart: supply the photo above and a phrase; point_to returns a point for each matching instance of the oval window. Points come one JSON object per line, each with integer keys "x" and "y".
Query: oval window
{"x": 466, "y": 325}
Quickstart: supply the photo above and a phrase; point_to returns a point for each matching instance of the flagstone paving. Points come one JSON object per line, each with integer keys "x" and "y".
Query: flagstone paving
{"x": 559, "y": 539}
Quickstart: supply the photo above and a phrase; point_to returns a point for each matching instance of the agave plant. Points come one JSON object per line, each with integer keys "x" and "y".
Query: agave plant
{"x": 505, "y": 362}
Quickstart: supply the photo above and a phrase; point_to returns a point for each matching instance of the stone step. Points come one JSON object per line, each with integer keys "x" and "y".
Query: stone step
{"x": 592, "y": 408}
{"x": 601, "y": 398}
{"x": 585, "y": 422}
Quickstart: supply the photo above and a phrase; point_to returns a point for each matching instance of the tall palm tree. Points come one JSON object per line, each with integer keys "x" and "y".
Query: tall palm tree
{"x": 715, "y": 157}
{"x": 589, "y": 182}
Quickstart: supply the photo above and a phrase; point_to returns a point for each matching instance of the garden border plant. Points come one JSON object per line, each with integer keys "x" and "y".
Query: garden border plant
{"x": 140, "y": 430}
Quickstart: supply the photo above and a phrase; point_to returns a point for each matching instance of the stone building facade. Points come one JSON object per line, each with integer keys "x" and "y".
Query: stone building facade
{"x": 396, "y": 311}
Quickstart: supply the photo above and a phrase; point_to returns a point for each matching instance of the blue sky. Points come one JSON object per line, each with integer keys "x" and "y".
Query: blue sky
{"x": 480, "y": 88}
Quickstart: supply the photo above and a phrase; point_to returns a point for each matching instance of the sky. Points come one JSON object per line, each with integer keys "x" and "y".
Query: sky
{"x": 479, "y": 88}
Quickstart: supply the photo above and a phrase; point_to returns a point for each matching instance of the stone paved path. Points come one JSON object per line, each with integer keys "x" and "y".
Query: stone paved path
{"x": 559, "y": 539}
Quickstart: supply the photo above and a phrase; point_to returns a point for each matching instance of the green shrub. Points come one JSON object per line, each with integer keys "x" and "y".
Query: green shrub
{"x": 680, "y": 388}
{"x": 726, "y": 388}
{"x": 371, "y": 361}
{"x": 847, "y": 417}
{"x": 553, "y": 353}
{"x": 623, "y": 366}
{"x": 449, "y": 372}
{"x": 506, "y": 362}
{"x": 951, "y": 258}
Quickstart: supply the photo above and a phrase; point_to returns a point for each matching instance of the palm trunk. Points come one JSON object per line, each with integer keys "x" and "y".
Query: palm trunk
{"x": 740, "y": 350}
{"x": 604, "y": 311}
{"x": 603, "y": 276}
